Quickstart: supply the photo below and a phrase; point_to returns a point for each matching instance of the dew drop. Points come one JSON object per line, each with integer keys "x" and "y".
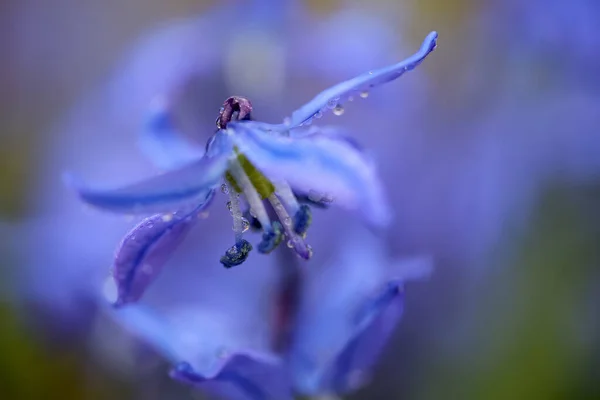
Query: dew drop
{"x": 364, "y": 94}
{"x": 287, "y": 221}
{"x": 290, "y": 244}
{"x": 370, "y": 72}
{"x": 332, "y": 103}
{"x": 310, "y": 250}
{"x": 110, "y": 290}
{"x": 245, "y": 225}
{"x": 338, "y": 110}
{"x": 167, "y": 217}
{"x": 229, "y": 207}
{"x": 318, "y": 114}
{"x": 224, "y": 189}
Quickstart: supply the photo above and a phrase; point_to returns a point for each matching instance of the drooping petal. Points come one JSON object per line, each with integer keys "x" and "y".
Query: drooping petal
{"x": 319, "y": 163}
{"x": 144, "y": 251}
{"x": 199, "y": 343}
{"x": 338, "y": 94}
{"x": 347, "y": 315}
{"x": 161, "y": 141}
{"x": 241, "y": 376}
{"x": 167, "y": 192}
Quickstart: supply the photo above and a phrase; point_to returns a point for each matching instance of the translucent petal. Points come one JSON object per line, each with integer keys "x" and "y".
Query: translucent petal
{"x": 348, "y": 313}
{"x": 334, "y": 168}
{"x": 338, "y": 94}
{"x": 241, "y": 376}
{"x": 161, "y": 141}
{"x": 167, "y": 192}
{"x": 201, "y": 345}
{"x": 144, "y": 251}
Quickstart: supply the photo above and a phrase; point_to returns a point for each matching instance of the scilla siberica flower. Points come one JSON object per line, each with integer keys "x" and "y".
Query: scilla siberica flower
{"x": 259, "y": 162}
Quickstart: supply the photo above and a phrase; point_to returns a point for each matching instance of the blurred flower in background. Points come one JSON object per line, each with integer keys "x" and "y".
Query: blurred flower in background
{"x": 489, "y": 156}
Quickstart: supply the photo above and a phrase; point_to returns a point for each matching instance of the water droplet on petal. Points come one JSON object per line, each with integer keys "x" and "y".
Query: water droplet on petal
{"x": 319, "y": 114}
{"x": 290, "y": 244}
{"x": 224, "y": 189}
{"x": 332, "y": 103}
{"x": 109, "y": 290}
{"x": 167, "y": 217}
{"x": 287, "y": 221}
{"x": 245, "y": 225}
{"x": 364, "y": 94}
{"x": 229, "y": 207}
{"x": 370, "y": 72}
{"x": 338, "y": 110}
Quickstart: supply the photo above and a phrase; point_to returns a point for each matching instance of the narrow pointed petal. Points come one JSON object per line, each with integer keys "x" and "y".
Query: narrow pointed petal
{"x": 161, "y": 141}
{"x": 197, "y": 343}
{"x": 348, "y": 314}
{"x": 167, "y": 192}
{"x": 334, "y": 168}
{"x": 144, "y": 251}
{"x": 339, "y": 93}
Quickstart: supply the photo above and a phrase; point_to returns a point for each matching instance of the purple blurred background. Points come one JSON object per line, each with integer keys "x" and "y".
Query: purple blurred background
{"x": 490, "y": 153}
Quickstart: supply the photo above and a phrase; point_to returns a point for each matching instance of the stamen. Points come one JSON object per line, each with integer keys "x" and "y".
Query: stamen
{"x": 252, "y": 197}
{"x": 273, "y": 232}
{"x": 287, "y": 197}
{"x": 295, "y": 241}
{"x": 302, "y": 214}
{"x": 238, "y": 253}
{"x": 236, "y": 212}
{"x": 302, "y": 220}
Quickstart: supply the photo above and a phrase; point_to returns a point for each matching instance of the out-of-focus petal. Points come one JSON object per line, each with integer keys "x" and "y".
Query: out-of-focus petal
{"x": 144, "y": 251}
{"x": 201, "y": 345}
{"x": 241, "y": 376}
{"x": 347, "y": 315}
{"x": 166, "y": 192}
{"x": 338, "y": 94}
{"x": 161, "y": 141}
{"x": 323, "y": 164}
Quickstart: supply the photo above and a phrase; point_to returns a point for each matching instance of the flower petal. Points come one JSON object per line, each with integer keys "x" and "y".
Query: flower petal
{"x": 339, "y": 93}
{"x": 196, "y": 342}
{"x": 241, "y": 376}
{"x": 319, "y": 163}
{"x": 144, "y": 251}
{"x": 161, "y": 142}
{"x": 166, "y": 192}
{"x": 348, "y": 313}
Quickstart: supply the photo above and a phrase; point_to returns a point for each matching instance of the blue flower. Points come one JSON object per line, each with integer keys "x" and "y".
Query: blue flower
{"x": 310, "y": 333}
{"x": 254, "y": 162}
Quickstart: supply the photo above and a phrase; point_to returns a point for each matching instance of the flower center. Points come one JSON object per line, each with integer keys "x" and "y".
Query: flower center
{"x": 244, "y": 180}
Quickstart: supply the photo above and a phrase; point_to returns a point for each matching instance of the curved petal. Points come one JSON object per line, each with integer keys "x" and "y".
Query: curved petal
{"x": 167, "y": 192}
{"x": 144, "y": 251}
{"x": 327, "y": 165}
{"x": 241, "y": 376}
{"x": 197, "y": 343}
{"x": 161, "y": 142}
{"x": 336, "y": 95}
{"x": 347, "y": 315}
